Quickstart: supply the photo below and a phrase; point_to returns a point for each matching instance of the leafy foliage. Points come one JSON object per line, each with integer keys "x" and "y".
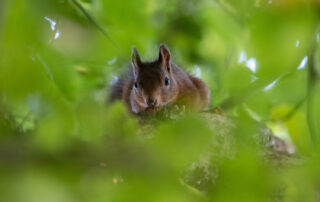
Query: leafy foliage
{"x": 60, "y": 141}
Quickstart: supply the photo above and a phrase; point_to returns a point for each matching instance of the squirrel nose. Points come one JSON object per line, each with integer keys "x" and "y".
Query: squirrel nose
{"x": 152, "y": 102}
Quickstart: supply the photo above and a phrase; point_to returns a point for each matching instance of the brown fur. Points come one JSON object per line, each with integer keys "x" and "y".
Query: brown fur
{"x": 152, "y": 93}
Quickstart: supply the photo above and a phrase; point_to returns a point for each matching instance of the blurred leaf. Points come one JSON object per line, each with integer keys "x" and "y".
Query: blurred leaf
{"x": 246, "y": 178}
{"x": 182, "y": 141}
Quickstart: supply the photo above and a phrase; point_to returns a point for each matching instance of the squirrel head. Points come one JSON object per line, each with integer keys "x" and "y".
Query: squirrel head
{"x": 154, "y": 85}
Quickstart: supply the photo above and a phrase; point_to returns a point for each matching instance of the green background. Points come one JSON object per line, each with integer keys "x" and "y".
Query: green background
{"x": 60, "y": 141}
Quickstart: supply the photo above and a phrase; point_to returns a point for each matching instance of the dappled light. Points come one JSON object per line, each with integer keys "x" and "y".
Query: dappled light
{"x": 62, "y": 139}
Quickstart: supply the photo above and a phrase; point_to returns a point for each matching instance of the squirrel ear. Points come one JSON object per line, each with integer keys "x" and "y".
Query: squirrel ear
{"x": 164, "y": 56}
{"x": 135, "y": 59}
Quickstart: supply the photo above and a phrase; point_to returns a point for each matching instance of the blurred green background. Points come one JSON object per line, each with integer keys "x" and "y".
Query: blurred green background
{"x": 60, "y": 141}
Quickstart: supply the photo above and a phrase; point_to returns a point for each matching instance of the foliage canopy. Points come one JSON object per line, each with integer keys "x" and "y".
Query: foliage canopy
{"x": 60, "y": 141}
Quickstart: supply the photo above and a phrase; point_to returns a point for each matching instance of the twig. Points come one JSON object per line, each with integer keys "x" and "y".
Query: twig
{"x": 245, "y": 94}
{"x": 294, "y": 109}
{"x": 253, "y": 88}
{"x": 93, "y": 21}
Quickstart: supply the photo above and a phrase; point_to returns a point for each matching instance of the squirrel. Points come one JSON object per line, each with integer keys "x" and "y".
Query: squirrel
{"x": 151, "y": 86}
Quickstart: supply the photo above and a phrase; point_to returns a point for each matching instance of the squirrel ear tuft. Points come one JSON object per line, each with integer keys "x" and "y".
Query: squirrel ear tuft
{"x": 135, "y": 59}
{"x": 164, "y": 56}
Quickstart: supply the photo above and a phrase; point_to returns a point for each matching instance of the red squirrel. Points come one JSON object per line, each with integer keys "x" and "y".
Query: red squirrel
{"x": 151, "y": 86}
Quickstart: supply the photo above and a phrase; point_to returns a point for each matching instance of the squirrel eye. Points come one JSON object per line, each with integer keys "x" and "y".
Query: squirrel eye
{"x": 166, "y": 81}
{"x": 135, "y": 85}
